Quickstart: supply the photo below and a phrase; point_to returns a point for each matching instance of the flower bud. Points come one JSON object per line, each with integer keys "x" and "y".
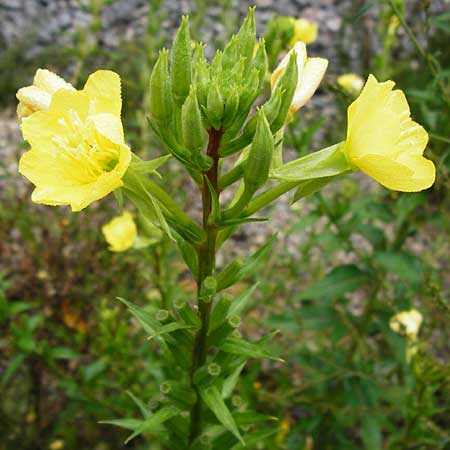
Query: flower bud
{"x": 287, "y": 84}
{"x": 257, "y": 165}
{"x": 231, "y": 107}
{"x": 181, "y": 63}
{"x": 191, "y": 123}
{"x": 201, "y": 74}
{"x": 161, "y": 105}
{"x": 208, "y": 288}
{"x": 246, "y": 36}
{"x": 260, "y": 62}
{"x": 215, "y": 106}
{"x": 230, "y": 54}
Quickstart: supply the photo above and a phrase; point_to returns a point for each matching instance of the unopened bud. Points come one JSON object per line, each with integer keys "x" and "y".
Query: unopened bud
{"x": 230, "y": 54}
{"x": 214, "y": 369}
{"x": 201, "y": 74}
{"x": 161, "y": 106}
{"x": 246, "y": 36}
{"x": 215, "y": 105}
{"x": 191, "y": 123}
{"x": 209, "y": 288}
{"x": 257, "y": 165}
{"x": 181, "y": 63}
{"x": 231, "y": 107}
{"x": 260, "y": 62}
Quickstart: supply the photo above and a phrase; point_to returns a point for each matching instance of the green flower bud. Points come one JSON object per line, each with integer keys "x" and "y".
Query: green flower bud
{"x": 214, "y": 369}
{"x": 208, "y": 288}
{"x": 214, "y": 105}
{"x": 161, "y": 104}
{"x": 230, "y": 54}
{"x": 216, "y": 65}
{"x": 260, "y": 61}
{"x": 234, "y": 321}
{"x": 191, "y": 123}
{"x": 231, "y": 107}
{"x": 181, "y": 63}
{"x": 201, "y": 74}
{"x": 250, "y": 91}
{"x": 287, "y": 84}
{"x": 257, "y": 166}
{"x": 246, "y": 36}
{"x": 162, "y": 315}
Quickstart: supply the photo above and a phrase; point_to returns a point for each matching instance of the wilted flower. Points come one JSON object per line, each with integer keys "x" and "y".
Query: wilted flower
{"x": 351, "y": 83}
{"x": 38, "y": 96}
{"x": 120, "y": 233}
{"x": 310, "y": 74}
{"x": 78, "y": 152}
{"x": 384, "y": 142}
{"x": 304, "y": 31}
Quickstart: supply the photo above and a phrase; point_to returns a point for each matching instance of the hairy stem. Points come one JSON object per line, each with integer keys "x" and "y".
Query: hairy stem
{"x": 207, "y": 261}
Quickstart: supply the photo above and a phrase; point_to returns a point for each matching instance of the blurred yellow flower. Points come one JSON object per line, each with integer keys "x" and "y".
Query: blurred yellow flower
{"x": 57, "y": 444}
{"x": 304, "y": 31}
{"x": 78, "y": 152}
{"x": 120, "y": 233}
{"x": 310, "y": 74}
{"x": 351, "y": 83}
{"x": 38, "y": 96}
{"x": 407, "y": 323}
{"x": 384, "y": 142}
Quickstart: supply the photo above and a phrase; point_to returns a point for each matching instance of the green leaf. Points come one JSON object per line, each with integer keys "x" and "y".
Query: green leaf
{"x": 154, "y": 421}
{"x": 140, "y": 404}
{"x": 213, "y": 399}
{"x": 339, "y": 281}
{"x": 230, "y": 383}
{"x": 168, "y": 328}
{"x": 255, "y": 438}
{"x": 251, "y": 417}
{"x": 240, "y": 302}
{"x": 14, "y": 364}
{"x": 242, "y": 347}
{"x": 371, "y": 432}
{"x": 145, "y": 319}
{"x": 129, "y": 424}
{"x": 404, "y": 265}
{"x": 309, "y": 187}
{"x": 62, "y": 353}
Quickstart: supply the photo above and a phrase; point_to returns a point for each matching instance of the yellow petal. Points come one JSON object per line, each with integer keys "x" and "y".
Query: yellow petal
{"x": 313, "y": 72}
{"x": 109, "y": 126}
{"x": 120, "y": 232}
{"x": 50, "y": 82}
{"x": 300, "y": 49}
{"x": 384, "y": 142}
{"x": 104, "y": 92}
{"x": 34, "y": 98}
{"x": 304, "y": 31}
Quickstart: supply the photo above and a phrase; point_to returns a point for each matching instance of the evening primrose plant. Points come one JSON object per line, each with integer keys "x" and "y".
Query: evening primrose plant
{"x": 206, "y": 115}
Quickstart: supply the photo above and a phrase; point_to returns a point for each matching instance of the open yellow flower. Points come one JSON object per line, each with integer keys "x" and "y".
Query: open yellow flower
{"x": 304, "y": 31}
{"x": 407, "y": 322}
{"x": 38, "y": 96}
{"x": 78, "y": 152}
{"x": 120, "y": 233}
{"x": 384, "y": 142}
{"x": 351, "y": 83}
{"x": 310, "y": 74}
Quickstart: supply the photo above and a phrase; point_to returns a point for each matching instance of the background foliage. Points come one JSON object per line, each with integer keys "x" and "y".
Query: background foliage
{"x": 345, "y": 261}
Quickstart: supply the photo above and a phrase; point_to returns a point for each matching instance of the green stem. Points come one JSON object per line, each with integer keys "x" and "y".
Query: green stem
{"x": 269, "y": 196}
{"x": 206, "y": 252}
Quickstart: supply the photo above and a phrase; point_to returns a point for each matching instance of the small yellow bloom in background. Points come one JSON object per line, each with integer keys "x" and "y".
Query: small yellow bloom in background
{"x": 120, "y": 233}
{"x": 304, "y": 31}
{"x": 351, "y": 83}
{"x": 384, "y": 142}
{"x": 407, "y": 323}
{"x": 57, "y": 444}
{"x": 310, "y": 74}
{"x": 38, "y": 96}
{"x": 78, "y": 152}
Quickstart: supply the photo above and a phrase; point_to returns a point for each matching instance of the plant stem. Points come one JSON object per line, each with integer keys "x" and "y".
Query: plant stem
{"x": 206, "y": 266}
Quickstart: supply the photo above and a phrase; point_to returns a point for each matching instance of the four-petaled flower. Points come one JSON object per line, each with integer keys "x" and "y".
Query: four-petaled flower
{"x": 78, "y": 152}
{"x": 384, "y": 142}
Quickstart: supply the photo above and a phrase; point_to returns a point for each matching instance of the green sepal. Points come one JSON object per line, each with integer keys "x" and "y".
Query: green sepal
{"x": 161, "y": 103}
{"x": 191, "y": 124}
{"x": 181, "y": 63}
{"x": 145, "y": 167}
{"x": 330, "y": 161}
{"x": 287, "y": 85}
{"x": 214, "y": 401}
{"x": 310, "y": 187}
{"x": 214, "y": 105}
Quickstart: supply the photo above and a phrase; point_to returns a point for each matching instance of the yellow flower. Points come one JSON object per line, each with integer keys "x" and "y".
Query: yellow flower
{"x": 351, "y": 83}
{"x": 57, "y": 444}
{"x": 384, "y": 142}
{"x": 310, "y": 74}
{"x": 78, "y": 152}
{"x": 120, "y": 233}
{"x": 38, "y": 96}
{"x": 407, "y": 322}
{"x": 304, "y": 31}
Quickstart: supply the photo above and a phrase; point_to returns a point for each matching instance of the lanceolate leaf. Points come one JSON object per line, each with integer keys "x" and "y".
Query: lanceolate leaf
{"x": 239, "y": 346}
{"x": 146, "y": 320}
{"x": 213, "y": 399}
{"x": 129, "y": 424}
{"x": 140, "y": 404}
{"x": 168, "y": 328}
{"x": 154, "y": 421}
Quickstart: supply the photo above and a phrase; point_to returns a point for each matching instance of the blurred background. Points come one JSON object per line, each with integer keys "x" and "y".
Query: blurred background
{"x": 345, "y": 262}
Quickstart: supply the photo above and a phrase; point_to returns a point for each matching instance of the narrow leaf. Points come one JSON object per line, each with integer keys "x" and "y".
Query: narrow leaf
{"x": 242, "y": 347}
